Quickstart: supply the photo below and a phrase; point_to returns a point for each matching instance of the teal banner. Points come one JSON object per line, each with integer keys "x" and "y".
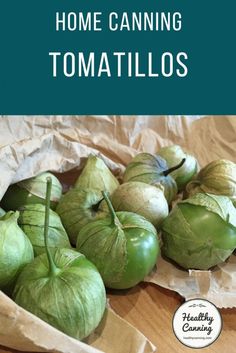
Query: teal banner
{"x": 117, "y": 57}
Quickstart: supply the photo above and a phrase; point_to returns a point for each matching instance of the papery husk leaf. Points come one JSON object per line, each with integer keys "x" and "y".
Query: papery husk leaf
{"x": 221, "y": 205}
{"x": 218, "y": 177}
{"x": 182, "y": 245}
{"x": 76, "y": 208}
{"x": 105, "y": 244}
{"x": 96, "y": 175}
{"x": 152, "y": 164}
{"x": 15, "y": 249}
{"x": 192, "y": 248}
{"x": 141, "y": 198}
{"x": 73, "y": 301}
{"x": 149, "y": 169}
{"x": 37, "y": 186}
{"x": 174, "y": 155}
{"x": 31, "y": 221}
{"x": 132, "y": 220}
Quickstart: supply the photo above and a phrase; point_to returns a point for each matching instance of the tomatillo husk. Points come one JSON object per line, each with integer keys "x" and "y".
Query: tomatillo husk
{"x": 96, "y": 175}
{"x": 78, "y": 207}
{"x": 174, "y": 155}
{"x": 200, "y": 232}
{"x": 31, "y": 191}
{"x": 143, "y": 199}
{"x": 15, "y": 250}
{"x": 153, "y": 170}
{"x": 31, "y": 221}
{"x": 217, "y": 177}
{"x": 62, "y": 288}
{"x": 123, "y": 246}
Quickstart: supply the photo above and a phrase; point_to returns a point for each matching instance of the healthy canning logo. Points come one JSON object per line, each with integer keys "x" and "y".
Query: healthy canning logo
{"x": 197, "y": 323}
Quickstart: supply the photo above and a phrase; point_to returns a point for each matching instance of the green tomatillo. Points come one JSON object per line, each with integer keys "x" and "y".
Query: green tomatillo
{"x": 123, "y": 246}
{"x": 174, "y": 155}
{"x": 15, "y": 250}
{"x": 217, "y": 177}
{"x": 200, "y": 232}
{"x": 153, "y": 170}
{"x": 78, "y": 207}
{"x": 96, "y": 175}
{"x": 144, "y": 199}
{"x": 31, "y": 221}
{"x": 62, "y": 288}
{"x": 31, "y": 191}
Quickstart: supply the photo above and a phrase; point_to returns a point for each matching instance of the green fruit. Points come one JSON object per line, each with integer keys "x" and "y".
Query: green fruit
{"x": 31, "y": 221}
{"x": 78, "y": 207}
{"x": 174, "y": 155}
{"x": 143, "y": 199}
{"x": 152, "y": 170}
{"x": 15, "y": 249}
{"x": 124, "y": 247}
{"x": 96, "y": 175}
{"x": 31, "y": 191}
{"x": 72, "y": 299}
{"x": 217, "y": 177}
{"x": 200, "y": 232}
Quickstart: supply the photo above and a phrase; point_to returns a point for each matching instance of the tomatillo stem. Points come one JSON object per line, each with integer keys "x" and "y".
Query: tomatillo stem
{"x": 168, "y": 171}
{"x": 53, "y": 270}
{"x": 114, "y": 218}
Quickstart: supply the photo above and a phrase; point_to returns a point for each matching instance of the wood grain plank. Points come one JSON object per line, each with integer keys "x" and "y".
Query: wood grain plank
{"x": 150, "y": 308}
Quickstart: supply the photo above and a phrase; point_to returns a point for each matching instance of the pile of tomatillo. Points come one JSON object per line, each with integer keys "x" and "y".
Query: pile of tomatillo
{"x": 60, "y": 251}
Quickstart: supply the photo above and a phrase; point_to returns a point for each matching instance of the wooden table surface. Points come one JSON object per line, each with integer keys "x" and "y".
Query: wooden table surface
{"x": 150, "y": 309}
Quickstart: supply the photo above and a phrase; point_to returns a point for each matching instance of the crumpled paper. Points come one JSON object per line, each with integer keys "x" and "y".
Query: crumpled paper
{"x": 23, "y": 331}
{"x": 30, "y": 145}
{"x": 218, "y": 285}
